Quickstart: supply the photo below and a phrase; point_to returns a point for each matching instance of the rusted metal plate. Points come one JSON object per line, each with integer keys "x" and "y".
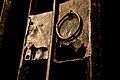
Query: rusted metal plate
{"x": 36, "y": 46}
{"x": 39, "y": 34}
{"x": 82, "y": 9}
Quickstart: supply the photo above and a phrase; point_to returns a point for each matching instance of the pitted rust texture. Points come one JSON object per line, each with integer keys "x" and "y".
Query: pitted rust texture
{"x": 39, "y": 34}
{"x": 82, "y": 8}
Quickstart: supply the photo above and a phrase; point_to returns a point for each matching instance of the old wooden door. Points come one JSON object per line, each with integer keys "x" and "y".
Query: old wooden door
{"x": 57, "y": 43}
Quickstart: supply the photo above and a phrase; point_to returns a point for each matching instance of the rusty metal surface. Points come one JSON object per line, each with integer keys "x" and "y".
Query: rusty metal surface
{"x": 82, "y": 8}
{"x": 79, "y": 48}
{"x": 36, "y": 45}
{"x": 39, "y": 35}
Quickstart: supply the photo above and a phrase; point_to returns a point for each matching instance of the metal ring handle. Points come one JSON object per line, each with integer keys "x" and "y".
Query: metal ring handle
{"x": 61, "y": 22}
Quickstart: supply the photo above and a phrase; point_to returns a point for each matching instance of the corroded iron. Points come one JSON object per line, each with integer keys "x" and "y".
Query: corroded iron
{"x": 59, "y": 36}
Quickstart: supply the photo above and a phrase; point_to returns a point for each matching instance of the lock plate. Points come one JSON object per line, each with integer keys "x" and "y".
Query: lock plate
{"x": 73, "y": 40}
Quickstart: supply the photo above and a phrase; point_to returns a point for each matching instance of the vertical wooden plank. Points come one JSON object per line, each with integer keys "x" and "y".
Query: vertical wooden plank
{"x": 1, "y": 9}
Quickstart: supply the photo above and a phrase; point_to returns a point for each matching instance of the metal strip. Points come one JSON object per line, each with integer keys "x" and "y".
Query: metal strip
{"x": 52, "y": 30}
{"x": 23, "y": 43}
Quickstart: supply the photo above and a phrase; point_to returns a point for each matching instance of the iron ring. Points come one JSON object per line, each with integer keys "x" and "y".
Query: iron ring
{"x": 61, "y": 22}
